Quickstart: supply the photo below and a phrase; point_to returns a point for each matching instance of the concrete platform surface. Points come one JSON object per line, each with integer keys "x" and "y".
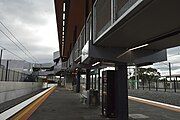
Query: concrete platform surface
{"x": 65, "y": 105}
{"x": 159, "y": 96}
{"x": 150, "y": 112}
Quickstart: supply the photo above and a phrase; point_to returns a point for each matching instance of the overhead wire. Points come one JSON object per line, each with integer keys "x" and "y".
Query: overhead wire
{"x": 16, "y": 44}
{"x": 18, "y": 41}
{"x": 13, "y": 53}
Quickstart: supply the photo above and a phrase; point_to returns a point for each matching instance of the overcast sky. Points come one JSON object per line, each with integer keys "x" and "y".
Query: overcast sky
{"x": 33, "y": 22}
{"x": 173, "y": 57}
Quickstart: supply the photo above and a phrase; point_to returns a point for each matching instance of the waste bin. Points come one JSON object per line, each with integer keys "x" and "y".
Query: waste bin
{"x": 93, "y": 97}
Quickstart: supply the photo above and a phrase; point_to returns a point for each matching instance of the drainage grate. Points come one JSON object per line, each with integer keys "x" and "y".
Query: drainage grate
{"x": 138, "y": 116}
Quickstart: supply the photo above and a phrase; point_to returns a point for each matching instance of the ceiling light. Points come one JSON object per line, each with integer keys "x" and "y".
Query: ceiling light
{"x": 141, "y": 46}
{"x": 95, "y": 64}
{"x": 135, "y": 48}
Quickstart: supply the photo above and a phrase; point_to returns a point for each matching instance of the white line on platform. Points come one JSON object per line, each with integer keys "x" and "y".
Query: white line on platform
{"x": 12, "y": 111}
{"x": 154, "y": 103}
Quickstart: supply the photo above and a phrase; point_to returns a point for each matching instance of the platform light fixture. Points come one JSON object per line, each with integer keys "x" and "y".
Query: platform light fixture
{"x": 64, "y": 7}
{"x": 95, "y": 64}
{"x": 141, "y": 46}
{"x": 135, "y": 48}
{"x": 63, "y": 23}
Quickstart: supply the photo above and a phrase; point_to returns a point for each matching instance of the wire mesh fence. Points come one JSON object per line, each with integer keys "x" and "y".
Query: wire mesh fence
{"x": 158, "y": 85}
{"x": 12, "y": 75}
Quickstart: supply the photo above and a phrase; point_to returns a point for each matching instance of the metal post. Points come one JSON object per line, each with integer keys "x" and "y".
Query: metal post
{"x": 20, "y": 74}
{"x": 99, "y": 85}
{"x": 121, "y": 91}
{"x": 37, "y": 78}
{"x": 7, "y": 65}
{"x": 156, "y": 85}
{"x": 9, "y": 71}
{"x": 64, "y": 80}
{"x": 78, "y": 82}
{"x": 149, "y": 83}
{"x": 22, "y": 77}
{"x": 136, "y": 77}
{"x": 2, "y": 74}
{"x": 143, "y": 83}
{"x": 87, "y": 79}
{"x": 170, "y": 75}
{"x": 60, "y": 81}
{"x": 1, "y": 57}
{"x": 17, "y": 76}
{"x": 174, "y": 85}
{"x": 13, "y": 74}
{"x": 170, "y": 71}
{"x": 95, "y": 81}
{"x": 165, "y": 84}
{"x": 103, "y": 94}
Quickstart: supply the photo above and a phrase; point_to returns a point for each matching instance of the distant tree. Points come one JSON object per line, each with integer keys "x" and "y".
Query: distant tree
{"x": 147, "y": 74}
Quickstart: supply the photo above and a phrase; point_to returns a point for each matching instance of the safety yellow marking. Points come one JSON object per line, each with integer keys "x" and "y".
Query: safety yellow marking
{"x": 156, "y": 104}
{"x": 28, "y": 111}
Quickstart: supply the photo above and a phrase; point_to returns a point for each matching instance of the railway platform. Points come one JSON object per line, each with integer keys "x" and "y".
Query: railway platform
{"x": 63, "y": 104}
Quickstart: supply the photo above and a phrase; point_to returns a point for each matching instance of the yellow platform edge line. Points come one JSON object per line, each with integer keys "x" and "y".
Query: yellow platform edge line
{"x": 25, "y": 113}
{"x": 154, "y": 104}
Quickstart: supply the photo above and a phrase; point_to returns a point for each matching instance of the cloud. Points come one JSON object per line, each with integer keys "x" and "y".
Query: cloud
{"x": 26, "y": 11}
{"x": 173, "y": 55}
{"x": 33, "y": 22}
{"x": 173, "y": 51}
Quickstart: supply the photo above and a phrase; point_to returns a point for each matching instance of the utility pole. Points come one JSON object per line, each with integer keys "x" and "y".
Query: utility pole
{"x": 170, "y": 71}
{"x": 136, "y": 77}
{"x": 1, "y": 57}
{"x": 7, "y": 65}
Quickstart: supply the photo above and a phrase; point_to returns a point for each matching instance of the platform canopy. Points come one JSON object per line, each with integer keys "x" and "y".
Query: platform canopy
{"x": 152, "y": 24}
{"x": 70, "y": 15}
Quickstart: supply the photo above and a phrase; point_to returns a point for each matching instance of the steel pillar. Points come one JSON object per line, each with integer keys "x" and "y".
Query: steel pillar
{"x": 136, "y": 77}
{"x": 156, "y": 85}
{"x": 87, "y": 79}
{"x": 13, "y": 75}
{"x": 99, "y": 85}
{"x": 78, "y": 81}
{"x": 175, "y": 84}
{"x": 7, "y": 65}
{"x": 170, "y": 72}
{"x": 2, "y": 74}
{"x": 121, "y": 91}
{"x": 1, "y": 56}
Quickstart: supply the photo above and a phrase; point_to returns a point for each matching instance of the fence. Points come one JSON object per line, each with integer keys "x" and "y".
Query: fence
{"x": 12, "y": 75}
{"x": 158, "y": 85}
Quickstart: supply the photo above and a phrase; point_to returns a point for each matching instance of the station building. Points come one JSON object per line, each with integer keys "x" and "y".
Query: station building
{"x": 96, "y": 34}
